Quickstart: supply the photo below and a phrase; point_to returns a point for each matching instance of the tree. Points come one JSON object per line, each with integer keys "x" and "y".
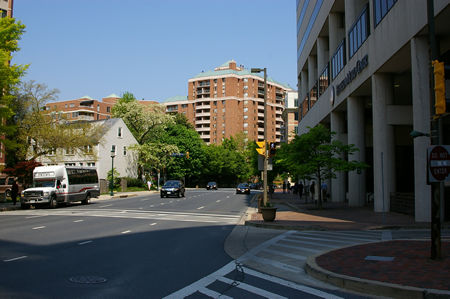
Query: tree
{"x": 23, "y": 171}
{"x": 10, "y": 74}
{"x": 147, "y": 124}
{"x": 41, "y": 131}
{"x": 183, "y": 135}
{"x": 316, "y": 155}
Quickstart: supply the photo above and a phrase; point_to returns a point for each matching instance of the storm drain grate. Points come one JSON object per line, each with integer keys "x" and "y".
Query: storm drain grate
{"x": 87, "y": 279}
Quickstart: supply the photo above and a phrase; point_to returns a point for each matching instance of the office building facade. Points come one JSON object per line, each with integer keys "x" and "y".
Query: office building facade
{"x": 364, "y": 71}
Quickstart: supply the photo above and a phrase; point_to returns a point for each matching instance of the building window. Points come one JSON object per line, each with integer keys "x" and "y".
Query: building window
{"x": 338, "y": 60}
{"x": 296, "y": 103}
{"x": 358, "y": 32}
{"x": 245, "y": 125}
{"x": 98, "y": 108}
{"x": 245, "y": 116}
{"x": 124, "y": 150}
{"x": 119, "y": 132}
{"x": 74, "y": 114}
{"x": 91, "y": 164}
{"x": 72, "y": 105}
{"x": 70, "y": 151}
{"x": 245, "y": 109}
{"x": 108, "y": 109}
{"x": 324, "y": 80}
{"x": 295, "y": 115}
{"x": 381, "y": 8}
{"x": 88, "y": 149}
{"x": 65, "y": 105}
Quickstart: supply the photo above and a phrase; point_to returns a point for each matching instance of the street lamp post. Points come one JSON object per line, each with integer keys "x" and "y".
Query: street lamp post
{"x": 113, "y": 154}
{"x": 266, "y": 153}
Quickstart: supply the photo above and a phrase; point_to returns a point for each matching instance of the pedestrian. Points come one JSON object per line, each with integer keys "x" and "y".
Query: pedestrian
{"x": 14, "y": 192}
{"x": 324, "y": 188}
{"x": 288, "y": 187}
{"x": 284, "y": 187}
{"x": 312, "y": 190}
{"x": 300, "y": 190}
{"x": 149, "y": 184}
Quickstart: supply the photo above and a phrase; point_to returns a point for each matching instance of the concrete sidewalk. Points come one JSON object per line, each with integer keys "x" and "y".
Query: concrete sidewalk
{"x": 410, "y": 273}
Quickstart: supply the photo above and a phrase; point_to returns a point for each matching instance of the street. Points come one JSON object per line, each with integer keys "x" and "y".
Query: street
{"x": 143, "y": 246}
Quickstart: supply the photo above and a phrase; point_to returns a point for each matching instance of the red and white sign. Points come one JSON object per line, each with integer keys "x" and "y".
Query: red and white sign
{"x": 439, "y": 163}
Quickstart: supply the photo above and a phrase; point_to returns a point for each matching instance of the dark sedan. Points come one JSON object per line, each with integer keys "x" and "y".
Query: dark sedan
{"x": 243, "y": 188}
{"x": 172, "y": 188}
{"x": 211, "y": 186}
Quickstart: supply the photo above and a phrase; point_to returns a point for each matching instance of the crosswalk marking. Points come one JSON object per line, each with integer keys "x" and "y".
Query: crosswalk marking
{"x": 138, "y": 214}
{"x": 251, "y": 289}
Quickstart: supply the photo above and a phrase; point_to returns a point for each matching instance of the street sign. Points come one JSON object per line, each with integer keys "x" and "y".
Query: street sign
{"x": 261, "y": 163}
{"x": 439, "y": 163}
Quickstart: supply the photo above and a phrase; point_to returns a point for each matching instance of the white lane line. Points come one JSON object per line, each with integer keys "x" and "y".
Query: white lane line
{"x": 39, "y": 227}
{"x": 30, "y": 217}
{"x": 212, "y": 294}
{"x": 251, "y": 289}
{"x": 126, "y": 232}
{"x": 200, "y": 208}
{"x": 152, "y": 224}
{"x": 218, "y": 200}
{"x": 228, "y": 196}
{"x": 85, "y": 242}
{"x": 152, "y": 206}
{"x": 16, "y": 258}
{"x": 105, "y": 206}
{"x": 79, "y": 220}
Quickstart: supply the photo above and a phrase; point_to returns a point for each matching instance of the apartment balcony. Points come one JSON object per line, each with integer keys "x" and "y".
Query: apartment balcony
{"x": 203, "y": 84}
{"x": 203, "y": 129}
{"x": 260, "y": 114}
{"x": 203, "y": 106}
{"x": 201, "y": 91}
{"x": 202, "y": 121}
{"x": 85, "y": 117}
{"x": 202, "y": 114}
{"x": 260, "y": 130}
{"x": 205, "y": 136}
{"x": 260, "y": 84}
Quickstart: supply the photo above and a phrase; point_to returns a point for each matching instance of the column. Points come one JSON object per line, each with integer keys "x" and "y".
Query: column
{"x": 334, "y": 38}
{"x": 421, "y": 123}
{"x": 383, "y": 142}
{"x": 312, "y": 71}
{"x": 322, "y": 54}
{"x": 304, "y": 87}
{"x": 356, "y": 126}
{"x": 337, "y": 188}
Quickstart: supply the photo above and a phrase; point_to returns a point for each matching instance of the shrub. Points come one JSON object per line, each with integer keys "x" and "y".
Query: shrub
{"x": 134, "y": 182}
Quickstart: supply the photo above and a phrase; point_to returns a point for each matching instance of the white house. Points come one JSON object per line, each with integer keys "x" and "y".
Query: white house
{"x": 117, "y": 138}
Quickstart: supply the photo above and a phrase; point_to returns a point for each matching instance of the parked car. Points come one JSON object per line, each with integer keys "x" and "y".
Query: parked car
{"x": 172, "y": 188}
{"x": 6, "y": 183}
{"x": 255, "y": 186}
{"x": 211, "y": 186}
{"x": 243, "y": 188}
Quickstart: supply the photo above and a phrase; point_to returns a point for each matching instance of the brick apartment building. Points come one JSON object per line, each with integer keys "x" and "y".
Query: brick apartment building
{"x": 230, "y": 100}
{"x": 290, "y": 117}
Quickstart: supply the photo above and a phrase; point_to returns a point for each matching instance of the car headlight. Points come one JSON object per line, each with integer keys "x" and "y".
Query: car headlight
{"x": 46, "y": 193}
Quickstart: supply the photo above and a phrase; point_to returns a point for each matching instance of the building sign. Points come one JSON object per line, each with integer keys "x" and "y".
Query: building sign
{"x": 360, "y": 66}
{"x": 439, "y": 163}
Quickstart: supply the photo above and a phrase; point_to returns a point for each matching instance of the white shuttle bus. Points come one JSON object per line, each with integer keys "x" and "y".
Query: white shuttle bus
{"x": 59, "y": 184}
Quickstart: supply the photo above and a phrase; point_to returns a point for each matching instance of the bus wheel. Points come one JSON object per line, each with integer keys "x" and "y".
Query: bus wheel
{"x": 53, "y": 202}
{"x": 87, "y": 199}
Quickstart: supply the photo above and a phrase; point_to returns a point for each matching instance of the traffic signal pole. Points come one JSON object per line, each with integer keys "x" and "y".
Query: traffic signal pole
{"x": 435, "y": 140}
{"x": 266, "y": 149}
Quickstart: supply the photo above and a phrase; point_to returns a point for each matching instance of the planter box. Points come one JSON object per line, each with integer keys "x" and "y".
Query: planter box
{"x": 268, "y": 214}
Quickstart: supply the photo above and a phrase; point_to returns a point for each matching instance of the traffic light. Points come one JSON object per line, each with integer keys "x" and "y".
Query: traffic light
{"x": 439, "y": 87}
{"x": 272, "y": 149}
{"x": 260, "y": 147}
{"x": 187, "y": 155}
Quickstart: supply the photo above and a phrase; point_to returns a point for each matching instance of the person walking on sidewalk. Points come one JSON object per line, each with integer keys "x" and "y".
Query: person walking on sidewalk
{"x": 284, "y": 187}
{"x": 300, "y": 190}
{"x": 324, "y": 188}
{"x": 312, "y": 189}
{"x": 14, "y": 192}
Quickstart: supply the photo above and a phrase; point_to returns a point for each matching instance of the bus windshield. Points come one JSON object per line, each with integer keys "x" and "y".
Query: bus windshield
{"x": 44, "y": 183}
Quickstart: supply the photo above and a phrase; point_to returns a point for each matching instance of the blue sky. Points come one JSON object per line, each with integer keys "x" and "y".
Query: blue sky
{"x": 151, "y": 47}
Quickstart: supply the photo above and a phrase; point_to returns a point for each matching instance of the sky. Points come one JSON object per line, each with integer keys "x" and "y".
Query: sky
{"x": 151, "y": 48}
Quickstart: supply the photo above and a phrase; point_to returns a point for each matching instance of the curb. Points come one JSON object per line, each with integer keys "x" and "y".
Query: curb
{"x": 366, "y": 286}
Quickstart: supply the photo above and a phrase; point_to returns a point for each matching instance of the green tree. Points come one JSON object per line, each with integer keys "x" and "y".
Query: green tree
{"x": 41, "y": 131}
{"x": 183, "y": 135}
{"x": 147, "y": 123}
{"x": 316, "y": 155}
{"x": 10, "y": 74}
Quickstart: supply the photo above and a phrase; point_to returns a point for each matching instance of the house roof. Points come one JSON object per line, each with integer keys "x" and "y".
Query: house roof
{"x": 175, "y": 99}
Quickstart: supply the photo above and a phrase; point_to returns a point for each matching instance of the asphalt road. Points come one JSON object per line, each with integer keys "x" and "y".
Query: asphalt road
{"x": 137, "y": 247}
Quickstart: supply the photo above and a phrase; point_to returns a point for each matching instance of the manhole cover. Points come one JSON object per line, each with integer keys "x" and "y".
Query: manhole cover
{"x": 86, "y": 279}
